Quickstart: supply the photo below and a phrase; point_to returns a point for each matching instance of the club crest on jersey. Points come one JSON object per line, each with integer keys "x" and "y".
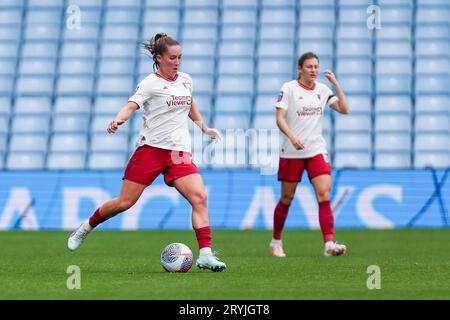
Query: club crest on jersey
{"x": 280, "y": 96}
{"x": 187, "y": 85}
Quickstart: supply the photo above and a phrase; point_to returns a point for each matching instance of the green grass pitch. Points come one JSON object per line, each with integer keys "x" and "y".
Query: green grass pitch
{"x": 414, "y": 264}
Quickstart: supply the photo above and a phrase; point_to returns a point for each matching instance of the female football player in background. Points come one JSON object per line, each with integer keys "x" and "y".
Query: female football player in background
{"x": 300, "y": 108}
{"x": 163, "y": 146}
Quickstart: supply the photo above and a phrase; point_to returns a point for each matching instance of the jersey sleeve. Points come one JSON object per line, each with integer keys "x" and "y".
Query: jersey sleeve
{"x": 283, "y": 97}
{"x": 141, "y": 94}
{"x": 331, "y": 96}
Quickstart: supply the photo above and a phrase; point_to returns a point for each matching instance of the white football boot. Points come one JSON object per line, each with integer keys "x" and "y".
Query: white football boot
{"x": 77, "y": 237}
{"x": 211, "y": 262}
{"x": 276, "y": 247}
{"x": 334, "y": 249}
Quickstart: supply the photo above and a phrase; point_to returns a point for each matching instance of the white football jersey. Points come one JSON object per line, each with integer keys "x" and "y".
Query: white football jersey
{"x": 166, "y": 105}
{"x": 305, "y": 109}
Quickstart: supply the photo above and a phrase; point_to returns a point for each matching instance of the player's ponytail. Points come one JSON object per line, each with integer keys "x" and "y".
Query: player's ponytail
{"x": 158, "y": 45}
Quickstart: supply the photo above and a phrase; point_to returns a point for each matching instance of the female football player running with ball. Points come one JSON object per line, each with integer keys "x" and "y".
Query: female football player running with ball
{"x": 163, "y": 146}
{"x": 300, "y": 108}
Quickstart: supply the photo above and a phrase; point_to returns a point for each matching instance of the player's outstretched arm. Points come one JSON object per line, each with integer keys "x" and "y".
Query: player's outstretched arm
{"x": 123, "y": 115}
{"x": 196, "y": 117}
{"x": 341, "y": 105}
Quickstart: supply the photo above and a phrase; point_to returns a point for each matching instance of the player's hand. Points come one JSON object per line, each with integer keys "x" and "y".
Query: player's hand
{"x": 214, "y": 134}
{"x": 114, "y": 125}
{"x": 297, "y": 143}
{"x": 330, "y": 76}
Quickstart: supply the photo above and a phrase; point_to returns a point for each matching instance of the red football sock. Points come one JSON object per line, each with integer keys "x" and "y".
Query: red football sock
{"x": 279, "y": 217}
{"x": 96, "y": 219}
{"x": 203, "y": 237}
{"x": 326, "y": 221}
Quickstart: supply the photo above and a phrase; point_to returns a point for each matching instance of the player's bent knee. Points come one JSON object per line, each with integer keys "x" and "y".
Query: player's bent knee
{"x": 124, "y": 205}
{"x": 199, "y": 199}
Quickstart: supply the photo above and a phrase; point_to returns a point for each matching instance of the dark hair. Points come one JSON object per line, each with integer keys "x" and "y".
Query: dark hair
{"x": 307, "y": 55}
{"x": 158, "y": 45}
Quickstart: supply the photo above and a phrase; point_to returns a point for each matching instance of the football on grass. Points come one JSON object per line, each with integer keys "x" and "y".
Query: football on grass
{"x": 176, "y": 257}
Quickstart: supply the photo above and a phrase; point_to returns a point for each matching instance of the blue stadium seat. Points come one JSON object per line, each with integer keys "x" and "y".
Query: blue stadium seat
{"x": 393, "y": 84}
{"x": 271, "y": 84}
{"x": 264, "y": 121}
{"x": 45, "y": 16}
{"x": 393, "y": 49}
{"x": 118, "y": 50}
{"x": 36, "y": 67}
{"x": 388, "y": 66}
{"x": 197, "y": 49}
{"x": 77, "y": 67}
{"x": 6, "y": 85}
{"x": 432, "y": 122}
{"x": 198, "y": 66}
{"x": 265, "y": 103}
{"x": 9, "y": 49}
{"x": 70, "y": 123}
{"x": 4, "y": 124}
{"x": 195, "y": 33}
{"x": 79, "y": 50}
{"x": 356, "y": 84}
{"x": 234, "y": 103}
{"x": 352, "y": 159}
{"x": 42, "y": 32}
{"x": 433, "y": 15}
{"x": 108, "y": 105}
{"x": 65, "y": 142}
{"x": 347, "y": 141}
{"x": 431, "y": 66}
{"x": 282, "y": 16}
{"x": 91, "y": 14}
{"x": 394, "y": 32}
{"x": 203, "y": 84}
{"x": 275, "y": 49}
{"x": 324, "y": 16}
{"x": 355, "y": 123}
{"x": 425, "y": 142}
{"x": 10, "y": 32}
{"x": 106, "y": 142}
{"x": 158, "y": 16}
{"x": 354, "y": 66}
{"x": 359, "y": 103}
{"x": 25, "y": 161}
{"x": 231, "y": 48}
{"x": 239, "y": 16}
{"x": 118, "y": 15}
{"x": 277, "y": 32}
{"x": 253, "y": 4}
{"x": 352, "y": 4}
{"x": 150, "y": 29}
{"x": 106, "y": 160}
{"x": 398, "y": 15}
{"x": 315, "y": 32}
{"x": 40, "y": 50}
{"x": 28, "y": 142}
{"x": 318, "y": 3}
{"x": 393, "y": 141}
{"x": 432, "y": 103}
{"x": 324, "y": 49}
{"x": 238, "y": 32}
{"x": 110, "y": 67}
{"x": 173, "y": 4}
{"x": 435, "y": 32}
{"x": 7, "y": 67}
{"x": 432, "y": 84}
{"x": 30, "y": 124}
{"x": 125, "y": 32}
{"x": 276, "y": 66}
{"x": 65, "y": 161}
{"x": 115, "y": 85}
{"x": 193, "y": 16}
{"x": 353, "y": 49}
{"x": 3, "y": 139}
{"x": 130, "y": 4}
{"x": 223, "y": 121}
{"x": 235, "y": 85}
{"x": 33, "y": 105}
{"x": 201, "y": 4}
{"x": 34, "y": 86}
{"x": 353, "y": 32}
{"x": 204, "y": 102}
{"x": 239, "y": 66}
{"x": 353, "y": 15}
{"x": 393, "y": 104}
{"x": 88, "y": 32}
{"x": 291, "y": 4}
{"x": 5, "y": 106}
{"x": 392, "y": 160}
{"x": 74, "y": 85}
{"x": 438, "y": 160}
{"x": 433, "y": 49}
{"x": 11, "y": 4}
{"x": 99, "y": 124}
{"x": 392, "y": 123}
{"x": 72, "y": 105}
{"x": 395, "y": 3}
